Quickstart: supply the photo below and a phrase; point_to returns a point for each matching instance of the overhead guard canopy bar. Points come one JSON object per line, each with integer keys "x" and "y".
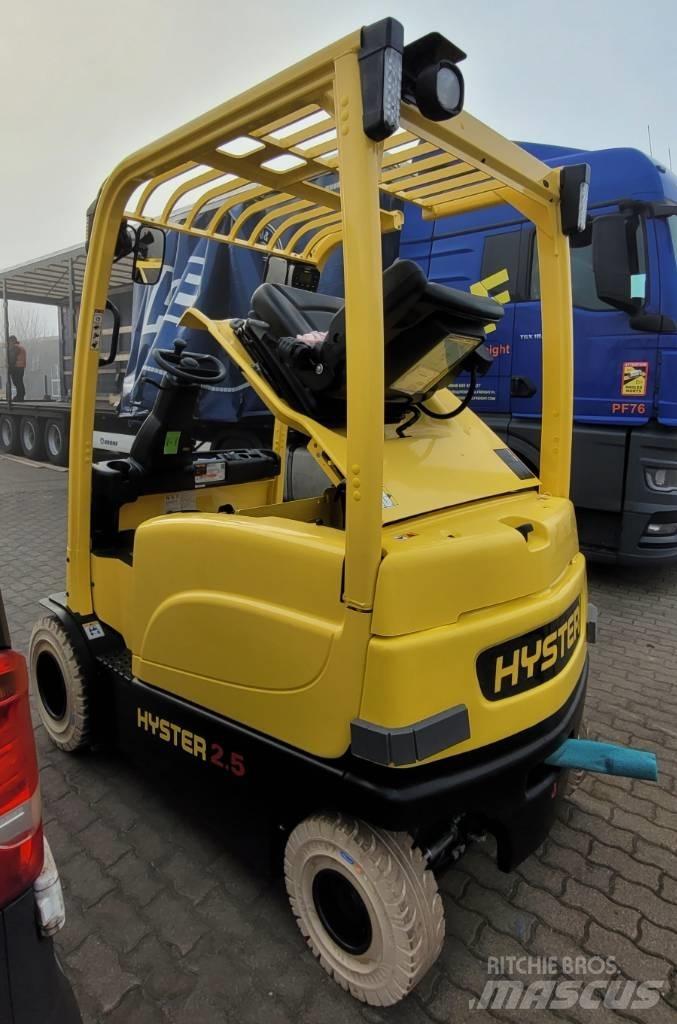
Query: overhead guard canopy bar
{"x": 263, "y": 172}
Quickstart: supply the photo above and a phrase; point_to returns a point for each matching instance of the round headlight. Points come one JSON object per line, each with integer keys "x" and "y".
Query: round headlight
{"x": 439, "y": 91}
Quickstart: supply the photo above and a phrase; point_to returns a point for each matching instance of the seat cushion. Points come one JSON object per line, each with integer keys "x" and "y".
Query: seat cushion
{"x": 290, "y": 311}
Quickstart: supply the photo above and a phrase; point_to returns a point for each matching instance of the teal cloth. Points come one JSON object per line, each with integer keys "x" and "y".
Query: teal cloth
{"x": 606, "y": 758}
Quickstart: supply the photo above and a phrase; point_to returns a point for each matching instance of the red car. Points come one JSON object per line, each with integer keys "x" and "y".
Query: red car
{"x": 33, "y": 988}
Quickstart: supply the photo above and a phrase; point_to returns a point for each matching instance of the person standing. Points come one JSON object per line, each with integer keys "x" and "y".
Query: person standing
{"x": 17, "y": 367}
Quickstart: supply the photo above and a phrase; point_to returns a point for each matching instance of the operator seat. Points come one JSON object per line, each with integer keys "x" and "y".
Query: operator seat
{"x": 290, "y": 311}
{"x": 417, "y": 316}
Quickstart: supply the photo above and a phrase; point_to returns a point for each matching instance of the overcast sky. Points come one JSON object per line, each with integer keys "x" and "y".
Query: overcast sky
{"x": 83, "y": 82}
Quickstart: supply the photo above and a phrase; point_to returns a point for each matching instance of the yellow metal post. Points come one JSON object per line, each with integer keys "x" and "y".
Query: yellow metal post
{"x": 557, "y": 330}
{"x": 557, "y": 353}
{"x": 109, "y": 210}
{"x": 359, "y": 164}
{"x": 280, "y": 434}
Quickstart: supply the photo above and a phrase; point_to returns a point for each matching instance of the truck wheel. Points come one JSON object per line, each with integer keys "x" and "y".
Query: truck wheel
{"x": 56, "y": 442}
{"x": 31, "y": 437}
{"x": 366, "y": 903}
{"x": 60, "y": 685}
{"x": 9, "y": 439}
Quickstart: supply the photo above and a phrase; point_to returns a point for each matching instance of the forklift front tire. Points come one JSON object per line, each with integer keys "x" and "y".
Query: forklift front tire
{"x": 366, "y": 903}
{"x": 60, "y": 685}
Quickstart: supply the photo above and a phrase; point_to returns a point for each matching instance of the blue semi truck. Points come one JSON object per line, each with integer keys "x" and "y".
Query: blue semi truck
{"x": 624, "y": 282}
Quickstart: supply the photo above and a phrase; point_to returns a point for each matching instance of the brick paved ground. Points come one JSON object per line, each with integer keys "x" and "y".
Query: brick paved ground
{"x": 175, "y": 916}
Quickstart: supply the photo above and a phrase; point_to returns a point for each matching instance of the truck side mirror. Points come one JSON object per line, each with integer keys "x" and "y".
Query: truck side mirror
{"x": 613, "y": 259}
{"x": 149, "y": 254}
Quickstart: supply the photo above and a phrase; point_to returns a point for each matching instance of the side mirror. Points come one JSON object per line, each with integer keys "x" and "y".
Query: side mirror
{"x": 114, "y": 336}
{"x": 125, "y": 242}
{"x": 613, "y": 262}
{"x": 149, "y": 254}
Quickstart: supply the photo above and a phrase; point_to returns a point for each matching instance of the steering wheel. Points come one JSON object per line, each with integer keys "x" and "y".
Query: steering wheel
{"x": 190, "y": 367}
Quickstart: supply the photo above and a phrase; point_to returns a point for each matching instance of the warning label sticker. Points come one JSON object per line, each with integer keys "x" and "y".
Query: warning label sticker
{"x": 97, "y": 328}
{"x": 93, "y": 630}
{"x": 634, "y": 379}
{"x": 209, "y": 473}
{"x": 184, "y": 501}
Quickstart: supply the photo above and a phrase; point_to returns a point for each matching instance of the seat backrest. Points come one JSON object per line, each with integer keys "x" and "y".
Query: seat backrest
{"x": 404, "y": 284}
{"x": 417, "y": 316}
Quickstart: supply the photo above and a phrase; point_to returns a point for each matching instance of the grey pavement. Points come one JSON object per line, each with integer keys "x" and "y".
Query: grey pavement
{"x": 174, "y": 912}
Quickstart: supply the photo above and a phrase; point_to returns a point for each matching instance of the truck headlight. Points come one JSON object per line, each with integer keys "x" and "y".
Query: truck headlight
{"x": 659, "y": 529}
{"x": 661, "y": 478}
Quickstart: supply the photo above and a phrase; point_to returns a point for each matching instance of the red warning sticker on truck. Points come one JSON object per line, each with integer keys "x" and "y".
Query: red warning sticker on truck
{"x": 634, "y": 379}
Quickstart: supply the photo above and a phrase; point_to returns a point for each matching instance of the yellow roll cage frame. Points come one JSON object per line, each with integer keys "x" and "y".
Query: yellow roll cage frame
{"x": 267, "y": 148}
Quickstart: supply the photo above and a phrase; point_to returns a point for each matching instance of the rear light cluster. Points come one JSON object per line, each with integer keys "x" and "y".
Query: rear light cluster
{"x": 21, "y": 841}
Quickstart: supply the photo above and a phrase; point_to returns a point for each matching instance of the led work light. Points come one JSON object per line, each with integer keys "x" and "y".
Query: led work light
{"x": 423, "y": 73}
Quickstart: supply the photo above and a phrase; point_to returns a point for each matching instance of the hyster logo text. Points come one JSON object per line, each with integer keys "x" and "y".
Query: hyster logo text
{"x": 529, "y": 660}
{"x": 171, "y": 733}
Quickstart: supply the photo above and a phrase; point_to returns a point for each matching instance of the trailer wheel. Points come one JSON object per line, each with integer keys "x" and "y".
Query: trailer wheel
{"x": 60, "y": 685}
{"x": 9, "y": 435}
{"x": 56, "y": 442}
{"x": 366, "y": 903}
{"x": 31, "y": 437}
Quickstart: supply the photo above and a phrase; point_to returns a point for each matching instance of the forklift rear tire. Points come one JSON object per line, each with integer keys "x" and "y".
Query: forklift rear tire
{"x": 9, "y": 435}
{"x": 366, "y": 903}
{"x": 60, "y": 685}
{"x": 31, "y": 437}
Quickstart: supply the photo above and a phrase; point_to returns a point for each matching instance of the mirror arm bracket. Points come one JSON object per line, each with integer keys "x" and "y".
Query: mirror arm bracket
{"x": 654, "y": 323}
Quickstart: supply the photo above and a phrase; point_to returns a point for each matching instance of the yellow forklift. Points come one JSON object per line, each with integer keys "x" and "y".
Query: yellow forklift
{"x": 392, "y": 659}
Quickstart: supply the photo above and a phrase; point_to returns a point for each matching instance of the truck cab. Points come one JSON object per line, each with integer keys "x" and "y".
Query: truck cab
{"x": 624, "y": 479}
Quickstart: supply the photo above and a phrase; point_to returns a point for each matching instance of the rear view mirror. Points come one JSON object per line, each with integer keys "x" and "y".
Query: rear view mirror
{"x": 125, "y": 243}
{"x": 149, "y": 253}
{"x": 614, "y": 258}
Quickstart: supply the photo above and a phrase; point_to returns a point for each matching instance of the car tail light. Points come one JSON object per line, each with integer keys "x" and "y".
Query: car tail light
{"x": 21, "y": 842}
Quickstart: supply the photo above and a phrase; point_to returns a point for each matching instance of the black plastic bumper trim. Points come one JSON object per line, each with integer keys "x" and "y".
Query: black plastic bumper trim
{"x": 36, "y": 991}
{"x": 592, "y": 624}
{"x": 410, "y": 743}
{"x": 492, "y": 780}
